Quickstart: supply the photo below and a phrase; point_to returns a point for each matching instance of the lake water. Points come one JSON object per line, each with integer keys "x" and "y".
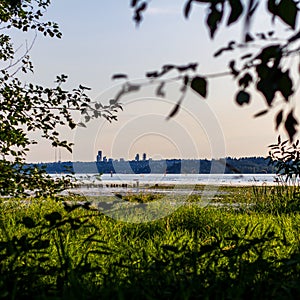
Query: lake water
{"x": 107, "y": 184}
{"x": 180, "y": 179}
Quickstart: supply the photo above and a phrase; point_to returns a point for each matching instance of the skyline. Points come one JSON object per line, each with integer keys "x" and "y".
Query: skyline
{"x": 103, "y": 41}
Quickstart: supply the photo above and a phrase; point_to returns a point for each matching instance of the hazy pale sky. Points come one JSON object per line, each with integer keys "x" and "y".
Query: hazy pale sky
{"x": 100, "y": 39}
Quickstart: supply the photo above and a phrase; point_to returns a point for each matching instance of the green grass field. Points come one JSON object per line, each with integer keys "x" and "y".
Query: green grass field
{"x": 59, "y": 249}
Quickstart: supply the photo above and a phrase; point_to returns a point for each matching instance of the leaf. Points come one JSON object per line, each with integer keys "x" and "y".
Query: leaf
{"x": 119, "y": 76}
{"x": 184, "y": 68}
{"x": 81, "y": 125}
{"x": 72, "y": 125}
{"x": 134, "y": 3}
{"x": 290, "y": 125}
{"x": 138, "y": 16}
{"x": 228, "y": 48}
{"x": 270, "y": 52}
{"x": 246, "y": 56}
{"x": 167, "y": 68}
{"x": 262, "y": 36}
{"x": 248, "y": 38}
{"x": 187, "y": 9}
{"x": 278, "y": 119}
{"x": 97, "y": 105}
{"x": 242, "y": 98}
{"x": 287, "y": 11}
{"x": 174, "y": 111}
{"x": 232, "y": 68}
{"x": 245, "y": 80}
{"x": 267, "y": 84}
{"x": 285, "y": 85}
{"x": 152, "y": 74}
{"x": 160, "y": 92}
{"x": 214, "y": 18}
{"x": 219, "y": 52}
{"x": 261, "y": 113}
{"x": 272, "y": 7}
{"x": 294, "y": 37}
{"x": 199, "y": 85}
{"x": 142, "y": 7}
{"x": 236, "y": 11}
{"x": 84, "y": 87}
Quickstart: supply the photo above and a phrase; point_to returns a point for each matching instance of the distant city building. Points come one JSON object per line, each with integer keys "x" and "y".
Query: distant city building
{"x": 144, "y": 156}
{"x": 122, "y": 159}
{"x": 99, "y": 156}
{"x": 137, "y": 157}
{"x": 104, "y": 159}
{"x": 110, "y": 160}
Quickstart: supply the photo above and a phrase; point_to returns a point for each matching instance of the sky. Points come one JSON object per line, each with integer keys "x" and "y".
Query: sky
{"x": 100, "y": 39}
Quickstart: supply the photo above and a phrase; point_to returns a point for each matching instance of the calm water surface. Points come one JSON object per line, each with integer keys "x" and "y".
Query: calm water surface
{"x": 107, "y": 184}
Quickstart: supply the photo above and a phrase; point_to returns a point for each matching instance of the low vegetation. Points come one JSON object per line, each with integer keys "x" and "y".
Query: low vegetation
{"x": 66, "y": 248}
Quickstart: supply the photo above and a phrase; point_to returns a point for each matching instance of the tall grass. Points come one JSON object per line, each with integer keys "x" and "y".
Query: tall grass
{"x": 51, "y": 249}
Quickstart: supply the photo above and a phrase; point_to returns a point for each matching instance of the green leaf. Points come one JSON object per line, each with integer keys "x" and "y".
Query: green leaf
{"x": 199, "y": 85}
{"x": 242, "y": 98}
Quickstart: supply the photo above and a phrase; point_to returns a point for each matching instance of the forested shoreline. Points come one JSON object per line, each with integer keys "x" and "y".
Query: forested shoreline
{"x": 245, "y": 165}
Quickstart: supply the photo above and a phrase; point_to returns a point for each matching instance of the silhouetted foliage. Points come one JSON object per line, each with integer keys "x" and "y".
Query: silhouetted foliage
{"x": 285, "y": 158}
{"x": 263, "y": 66}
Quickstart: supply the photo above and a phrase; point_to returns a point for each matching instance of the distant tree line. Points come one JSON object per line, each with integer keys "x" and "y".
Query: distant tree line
{"x": 246, "y": 165}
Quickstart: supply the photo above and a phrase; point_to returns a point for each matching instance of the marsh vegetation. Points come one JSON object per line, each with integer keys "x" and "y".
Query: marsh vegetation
{"x": 65, "y": 248}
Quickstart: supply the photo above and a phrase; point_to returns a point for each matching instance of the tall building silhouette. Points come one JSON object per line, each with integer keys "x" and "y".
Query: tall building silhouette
{"x": 144, "y": 156}
{"x": 99, "y": 156}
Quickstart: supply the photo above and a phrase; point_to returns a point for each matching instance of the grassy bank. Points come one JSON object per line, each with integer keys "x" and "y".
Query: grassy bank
{"x": 53, "y": 249}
